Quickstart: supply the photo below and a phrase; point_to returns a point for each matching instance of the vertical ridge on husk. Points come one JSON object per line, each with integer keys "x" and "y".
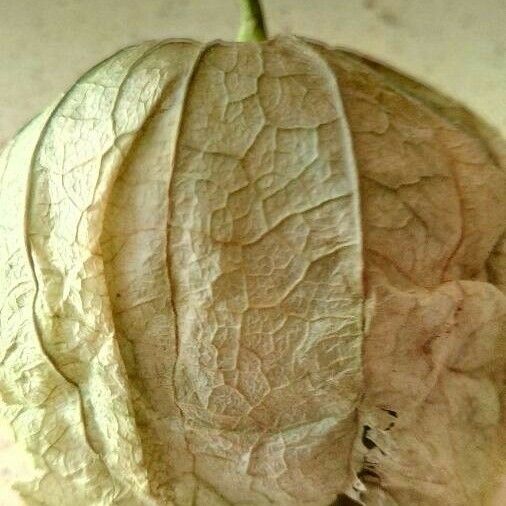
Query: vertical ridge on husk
{"x": 77, "y": 158}
{"x": 134, "y": 244}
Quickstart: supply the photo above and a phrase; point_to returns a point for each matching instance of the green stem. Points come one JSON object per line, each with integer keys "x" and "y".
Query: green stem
{"x": 252, "y": 27}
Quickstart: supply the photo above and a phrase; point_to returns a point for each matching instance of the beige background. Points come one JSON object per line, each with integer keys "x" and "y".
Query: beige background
{"x": 458, "y": 46}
